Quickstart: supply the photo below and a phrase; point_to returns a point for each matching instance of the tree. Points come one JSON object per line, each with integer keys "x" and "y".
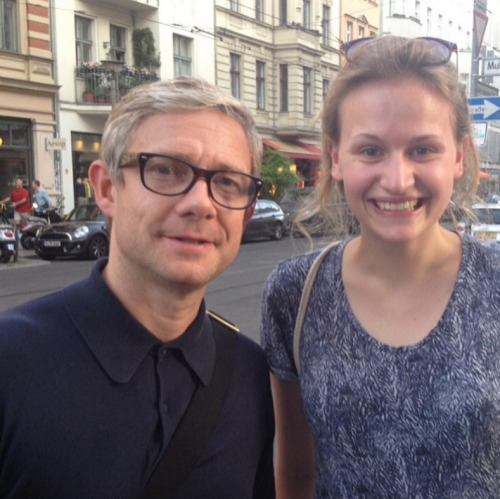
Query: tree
{"x": 276, "y": 174}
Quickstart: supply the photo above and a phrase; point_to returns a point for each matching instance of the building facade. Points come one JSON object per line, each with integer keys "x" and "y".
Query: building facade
{"x": 97, "y": 64}
{"x": 279, "y": 57}
{"x": 28, "y": 93}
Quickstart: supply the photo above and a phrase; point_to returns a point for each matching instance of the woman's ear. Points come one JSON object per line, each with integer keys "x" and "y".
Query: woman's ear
{"x": 336, "y": 170}
{"x": 104, "y": 189}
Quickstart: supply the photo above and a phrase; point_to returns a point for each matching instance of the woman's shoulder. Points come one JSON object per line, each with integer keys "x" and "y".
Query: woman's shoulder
{"x": 291, "y": 273}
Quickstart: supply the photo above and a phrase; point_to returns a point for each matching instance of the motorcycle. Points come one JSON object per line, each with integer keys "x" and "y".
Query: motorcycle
{"x": 7, "y": 236}
{"x": 35, "y": 222}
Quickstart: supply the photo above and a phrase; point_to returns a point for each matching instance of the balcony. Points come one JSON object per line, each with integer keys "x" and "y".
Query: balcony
{"x": 94, "y": 84}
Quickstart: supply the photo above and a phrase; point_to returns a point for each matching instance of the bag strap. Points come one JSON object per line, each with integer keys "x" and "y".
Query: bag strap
{"x": 304, "y": 301}
{"x": 195, "y": 427}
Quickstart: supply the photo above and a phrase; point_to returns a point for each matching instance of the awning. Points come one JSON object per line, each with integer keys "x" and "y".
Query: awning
{"x": 295, "y": 150}
{"x": 483, "y": 174}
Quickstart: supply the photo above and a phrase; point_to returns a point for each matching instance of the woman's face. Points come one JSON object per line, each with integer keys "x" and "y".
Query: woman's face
{"x": 397, "y": 158}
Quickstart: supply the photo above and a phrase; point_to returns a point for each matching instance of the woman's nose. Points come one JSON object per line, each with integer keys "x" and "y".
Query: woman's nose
{"x": 397, "y": 174}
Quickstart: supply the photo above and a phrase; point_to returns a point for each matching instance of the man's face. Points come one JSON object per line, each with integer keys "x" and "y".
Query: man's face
{"x": 19, "y": 184}
{"x": 180, "y": 241}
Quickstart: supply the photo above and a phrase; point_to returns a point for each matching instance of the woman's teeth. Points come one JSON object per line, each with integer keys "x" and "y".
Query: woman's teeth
{"x": 406, "y": 206}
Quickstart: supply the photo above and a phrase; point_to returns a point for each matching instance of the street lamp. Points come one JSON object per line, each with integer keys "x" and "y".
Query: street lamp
{"x": 113, "y": 67}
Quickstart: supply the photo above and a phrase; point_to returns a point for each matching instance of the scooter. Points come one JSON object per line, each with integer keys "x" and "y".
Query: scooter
{"x": 7, "y": 236}
{"x": 33, "y": 223}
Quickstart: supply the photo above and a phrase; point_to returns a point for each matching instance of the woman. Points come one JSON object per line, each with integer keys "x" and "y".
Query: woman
{"x": 398, "y": 393}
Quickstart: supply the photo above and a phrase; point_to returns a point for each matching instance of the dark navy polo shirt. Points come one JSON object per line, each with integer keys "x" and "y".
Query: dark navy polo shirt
{"x": 89, "y": 400}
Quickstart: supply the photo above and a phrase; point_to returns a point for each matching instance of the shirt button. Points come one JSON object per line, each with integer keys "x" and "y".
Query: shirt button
{"x": 164, "y": 407}
{"x": 163, "y": 351}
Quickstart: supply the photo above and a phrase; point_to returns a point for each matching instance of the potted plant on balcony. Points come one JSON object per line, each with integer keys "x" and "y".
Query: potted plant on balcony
{"x": 92, "y": 74}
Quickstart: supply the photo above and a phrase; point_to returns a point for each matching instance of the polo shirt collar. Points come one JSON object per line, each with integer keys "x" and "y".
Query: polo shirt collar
{"x": 120, "y": 343}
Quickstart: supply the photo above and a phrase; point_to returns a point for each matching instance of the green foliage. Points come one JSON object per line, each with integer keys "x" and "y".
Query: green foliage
{"x": 276, "y": 175}
{"x": 144, "y": 49}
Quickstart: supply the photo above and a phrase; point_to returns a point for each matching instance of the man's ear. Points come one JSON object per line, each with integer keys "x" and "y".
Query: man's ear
{"x": 104, "y": 189}
{"x": 249, "y": 214}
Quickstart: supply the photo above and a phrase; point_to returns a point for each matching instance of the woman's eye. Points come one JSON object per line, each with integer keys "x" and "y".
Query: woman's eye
{"x": 370, "y": 152}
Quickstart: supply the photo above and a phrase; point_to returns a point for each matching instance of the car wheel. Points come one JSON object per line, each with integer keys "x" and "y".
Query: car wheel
{"x": 278, "y": 232}
{"x": 98, "y": 247}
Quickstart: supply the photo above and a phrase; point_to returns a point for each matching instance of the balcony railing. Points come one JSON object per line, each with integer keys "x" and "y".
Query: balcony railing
{"x": 94, "y": 83}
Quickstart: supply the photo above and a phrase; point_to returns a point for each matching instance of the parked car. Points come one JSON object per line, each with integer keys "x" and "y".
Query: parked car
{"x": 83, "y": 234}
{"x": 486, "y": 227}
{"x": 267, "y": 221}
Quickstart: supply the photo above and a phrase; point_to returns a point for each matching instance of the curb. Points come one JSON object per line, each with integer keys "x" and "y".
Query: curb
{"x": 23, "y": 262}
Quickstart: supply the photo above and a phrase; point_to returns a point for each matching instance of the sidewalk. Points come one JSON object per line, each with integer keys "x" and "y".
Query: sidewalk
{"x": 26, "y": 258}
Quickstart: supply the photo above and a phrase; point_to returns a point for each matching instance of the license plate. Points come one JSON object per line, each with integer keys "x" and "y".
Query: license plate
{"x": 10, "y": 247}
{"x": 52, "y": 244}
{"x": 486, "y": 235}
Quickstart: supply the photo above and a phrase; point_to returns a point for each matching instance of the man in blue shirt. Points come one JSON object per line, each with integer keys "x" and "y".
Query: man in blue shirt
{"x": 41, "y": 196}
{"x": 96, "y": 378}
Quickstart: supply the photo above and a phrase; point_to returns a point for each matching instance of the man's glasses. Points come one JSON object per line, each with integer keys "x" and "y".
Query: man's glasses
{"x": 169, "y": 176}
{"x": 437, "y": 51}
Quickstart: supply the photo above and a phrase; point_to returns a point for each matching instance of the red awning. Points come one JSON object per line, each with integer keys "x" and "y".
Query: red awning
{"x": 483, "y": 174}
{"x": 294, "y": 150}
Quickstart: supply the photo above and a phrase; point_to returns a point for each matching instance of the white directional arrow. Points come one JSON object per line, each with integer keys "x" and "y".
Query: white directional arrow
{"x": 489, "y": 108}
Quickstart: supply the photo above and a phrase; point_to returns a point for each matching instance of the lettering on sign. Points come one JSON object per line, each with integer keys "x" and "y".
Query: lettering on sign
{"x": 491, "y": 67}
{"x": 55, "y": 144}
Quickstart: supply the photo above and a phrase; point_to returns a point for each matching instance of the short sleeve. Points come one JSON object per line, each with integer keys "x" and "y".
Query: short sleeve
{"x": 280, "y": 304}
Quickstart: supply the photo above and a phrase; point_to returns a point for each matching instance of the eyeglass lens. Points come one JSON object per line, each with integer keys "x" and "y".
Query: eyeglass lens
{"x": 170, "y": 177}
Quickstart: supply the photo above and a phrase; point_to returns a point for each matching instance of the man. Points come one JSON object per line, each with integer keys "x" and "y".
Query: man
{"x": 96, "y": 377}
{"x": 19, "y": 199}
{"x": 41, "y": 196}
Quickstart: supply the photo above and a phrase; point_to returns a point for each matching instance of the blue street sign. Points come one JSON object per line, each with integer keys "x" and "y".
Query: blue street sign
{"x": 484, "y": 108}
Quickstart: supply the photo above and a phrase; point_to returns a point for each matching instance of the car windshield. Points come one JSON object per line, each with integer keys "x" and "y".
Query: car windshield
{"x": 85, "y": 212}
{"x": 486, "y": 216}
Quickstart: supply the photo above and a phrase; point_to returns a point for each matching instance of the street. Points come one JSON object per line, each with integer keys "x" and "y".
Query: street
{"x": 235, "y": 295}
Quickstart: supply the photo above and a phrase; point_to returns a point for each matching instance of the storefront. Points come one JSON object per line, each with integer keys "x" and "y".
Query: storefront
{"x": 15, "y": 154}
{"x": 85, "y": 149}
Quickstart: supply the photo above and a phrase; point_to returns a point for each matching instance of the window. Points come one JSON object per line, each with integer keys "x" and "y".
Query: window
{"x": 306, "y": 14}
{"x": 283, "y": 12}
{"x": 8, "y": 25}
{"x": 326, "y": 25}
{"x": 233, "y": 4}
{"x": 84, "y": 44}
{"x": 348, "y": 32}
{"x": 235, "y": 75}
{"x": 307, "y": 90}
{"x": 361, "y": 32}
{"x": 326, "y": 86}
{"x": 182, "y": 56}
{"x": 283, "y": 88}
{"x": 417, "y": 9}
{"x": 259, "y": 10}
{"x": 118, "y": 43}
{"x": 261, "y": 84}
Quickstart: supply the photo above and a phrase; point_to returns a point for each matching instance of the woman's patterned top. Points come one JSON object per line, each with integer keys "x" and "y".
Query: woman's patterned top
{"x": 419, "y": 421}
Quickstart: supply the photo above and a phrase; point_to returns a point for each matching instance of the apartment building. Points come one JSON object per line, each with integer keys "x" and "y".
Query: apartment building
{"x": 27, "y": 94}
{"x": 279, "y": 57}
{"x": 96, "y": 63}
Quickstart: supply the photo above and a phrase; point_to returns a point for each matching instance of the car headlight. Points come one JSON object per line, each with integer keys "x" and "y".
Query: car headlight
{"x": 81, "y": 232}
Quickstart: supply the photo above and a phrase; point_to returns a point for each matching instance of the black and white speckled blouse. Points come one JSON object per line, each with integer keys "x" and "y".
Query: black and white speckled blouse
{"x": 420, "y": 421}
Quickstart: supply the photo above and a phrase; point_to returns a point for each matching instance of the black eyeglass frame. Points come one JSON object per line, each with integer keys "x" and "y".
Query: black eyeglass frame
{"x": 141, "y": 159}
{"x": 451, "y": 46}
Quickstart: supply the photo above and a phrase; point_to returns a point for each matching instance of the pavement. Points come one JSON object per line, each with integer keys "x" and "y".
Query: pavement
{"x": 26, "y": 258}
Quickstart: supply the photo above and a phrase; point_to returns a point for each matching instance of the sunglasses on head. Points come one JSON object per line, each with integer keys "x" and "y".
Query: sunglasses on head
{"x": 438, "y": 51}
